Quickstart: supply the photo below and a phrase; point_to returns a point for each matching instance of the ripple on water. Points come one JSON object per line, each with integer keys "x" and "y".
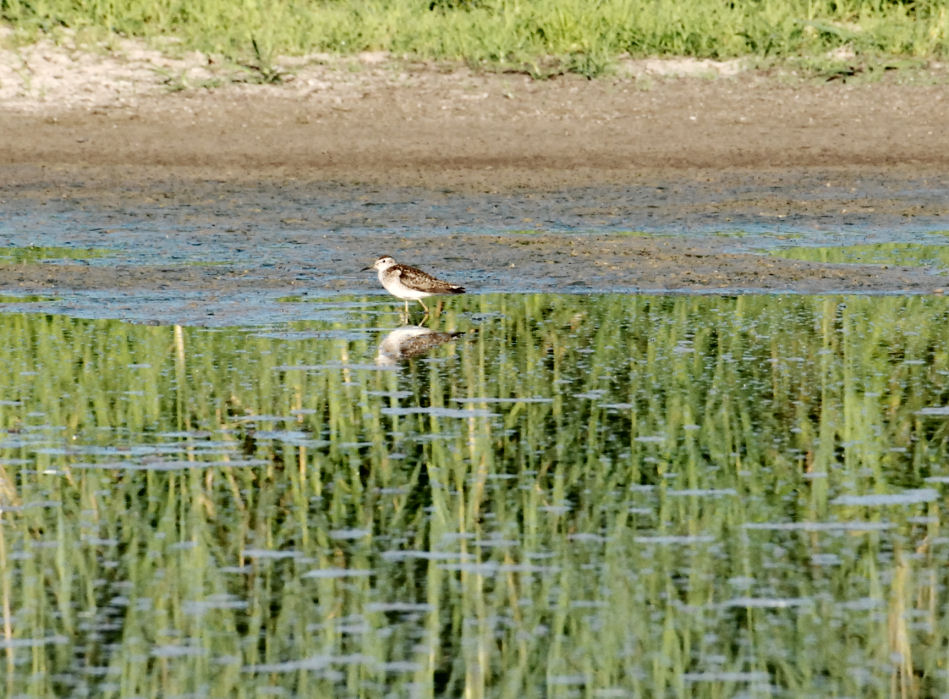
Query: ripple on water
{"x": 317, "y": 662}
{"x": 935, "y": 411}
{"x": 55, "y": 640}
{"x": 850, "y": 526}
{"x": 907, "y": 497}
{"x": 703, "y": 492}
{"x": 334, "y": 573}
{"x": 767, "y": 602}
{"x": 399, "y": 607}
{"x": 348, "y": 534}
{"x": 684, "y": 540}
{"x": 270, "y": 554}
{"x": 726, "y": 677}
{"x": 439, "y": 412}
{"x": 487, "y": 399}
{"x": 568, "y": 502}
{"x": 426, "y": 555}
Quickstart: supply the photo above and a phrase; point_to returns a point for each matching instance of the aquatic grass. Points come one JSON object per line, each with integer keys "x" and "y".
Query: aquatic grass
{"x": 626, "y": 508}
{"x": 36, "y": 253}
{"x": 10, "y": 301}
{"x": 904, "y": 254}
{"x": 543, "y": 38}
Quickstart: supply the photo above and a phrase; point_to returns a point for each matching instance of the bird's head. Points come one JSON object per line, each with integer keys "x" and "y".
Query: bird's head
{"x": 382, "y": 263}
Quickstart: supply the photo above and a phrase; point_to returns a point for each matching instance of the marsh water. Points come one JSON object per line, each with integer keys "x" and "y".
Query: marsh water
{"x": 534, "y": 495}
{"x": 241, "y": 472}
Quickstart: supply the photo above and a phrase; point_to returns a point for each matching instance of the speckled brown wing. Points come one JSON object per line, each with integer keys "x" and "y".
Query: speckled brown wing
{"x": 415, "y": 278}
{"x": 419, "y": 345}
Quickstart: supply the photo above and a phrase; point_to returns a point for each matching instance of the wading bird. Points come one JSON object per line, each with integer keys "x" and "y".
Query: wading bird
{"x": 410, "y": 283}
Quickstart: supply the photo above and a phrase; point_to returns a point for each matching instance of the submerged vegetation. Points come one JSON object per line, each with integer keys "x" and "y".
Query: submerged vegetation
{"x": 541, "y": 36}
{"x": 32, "y": 253}
{"x": 908, "y": 254}
{"x": 593, "y": 495}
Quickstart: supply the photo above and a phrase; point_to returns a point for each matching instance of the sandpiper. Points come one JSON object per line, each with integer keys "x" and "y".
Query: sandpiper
{"x": 406, "y": 282}
{"x": 409, "y": 342}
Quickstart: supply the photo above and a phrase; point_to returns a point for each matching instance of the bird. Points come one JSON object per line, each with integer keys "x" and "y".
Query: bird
{"x": 409, "y": 342}
{"x": 406, "y": 282}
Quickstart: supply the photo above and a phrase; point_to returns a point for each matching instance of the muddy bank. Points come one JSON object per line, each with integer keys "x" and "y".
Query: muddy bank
{"x": 295, "y": 187}
{"x": 319, "y": 271}
{"x": 392, "y": 123}
{"x": 508, "y": 263}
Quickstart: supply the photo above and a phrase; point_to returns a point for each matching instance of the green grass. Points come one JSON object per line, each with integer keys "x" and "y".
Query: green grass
{"x": 543, "y": 37}
{"x": 33, "y": 254}
{"x": 900, "y": 254}
{"x": 26, "y": 298}
{"x": 227, "y": 513}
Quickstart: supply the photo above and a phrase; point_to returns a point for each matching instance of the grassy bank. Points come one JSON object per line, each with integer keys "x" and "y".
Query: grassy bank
{"x": 543, "y": 36}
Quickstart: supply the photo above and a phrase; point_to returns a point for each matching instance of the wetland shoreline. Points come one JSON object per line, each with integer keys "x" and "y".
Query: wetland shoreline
{"x": 442, "y": 168}
{"x": 703, "y": 490}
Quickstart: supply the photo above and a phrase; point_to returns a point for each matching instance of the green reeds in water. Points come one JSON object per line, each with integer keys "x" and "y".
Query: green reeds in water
{"x": 33, "y": 253}
{"x": 590, "y": 495}
{"x": 903, "y": 254}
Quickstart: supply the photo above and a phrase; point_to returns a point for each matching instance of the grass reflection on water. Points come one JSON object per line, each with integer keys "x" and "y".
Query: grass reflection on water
{"x": 590, "y": 495}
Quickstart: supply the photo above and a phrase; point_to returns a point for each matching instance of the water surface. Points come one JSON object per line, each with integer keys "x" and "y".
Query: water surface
{"x": 602, "y": 495}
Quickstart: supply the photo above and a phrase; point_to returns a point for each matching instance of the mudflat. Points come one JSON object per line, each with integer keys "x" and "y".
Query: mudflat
{"x": 437, "y": 165}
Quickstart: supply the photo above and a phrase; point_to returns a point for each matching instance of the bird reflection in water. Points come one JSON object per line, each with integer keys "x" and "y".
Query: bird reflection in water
{"x": 410, "y": 341}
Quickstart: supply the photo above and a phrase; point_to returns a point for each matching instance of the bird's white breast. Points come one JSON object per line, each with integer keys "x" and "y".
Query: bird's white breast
{"x": 392, "y": 281}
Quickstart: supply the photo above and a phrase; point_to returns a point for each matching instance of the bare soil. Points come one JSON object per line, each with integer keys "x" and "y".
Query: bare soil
{"x": 347, "y": 160}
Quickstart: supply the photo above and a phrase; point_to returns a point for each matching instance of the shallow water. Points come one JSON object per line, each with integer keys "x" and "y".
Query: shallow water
{"x": 605, "y": 495}
{"x": 207, "y": 223}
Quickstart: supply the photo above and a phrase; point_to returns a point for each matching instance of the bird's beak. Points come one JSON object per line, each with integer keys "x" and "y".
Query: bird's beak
{"x": 365, "y": 269}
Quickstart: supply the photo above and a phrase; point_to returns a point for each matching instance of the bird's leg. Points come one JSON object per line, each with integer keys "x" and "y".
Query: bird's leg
{"x": 406, "y": 306}
{"x": 423, "y": 305}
